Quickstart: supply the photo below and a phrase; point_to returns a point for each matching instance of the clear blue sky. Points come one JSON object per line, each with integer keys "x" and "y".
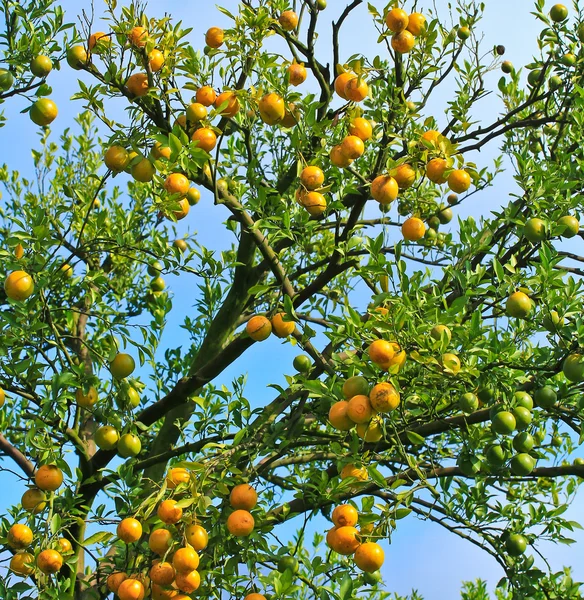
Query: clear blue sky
{"x": 422, "y": 556}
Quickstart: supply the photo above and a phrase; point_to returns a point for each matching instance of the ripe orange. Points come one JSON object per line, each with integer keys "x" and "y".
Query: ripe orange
{"x": 369, "y": 557}
{"x": 168, "y": 512}
{"x": 435, "y": 170}
{"x": 459, "y": 181}
{"x": 362, "y": 128}
{"x": 19, "y": 248}
{"x": 183, "y": 210}
{"x": 384, "y": 397}
{"x": 129, "y": 530}
{"x": 116, "y": 158}
{"x": 188, "y": 582}
{"x": 98, "y": 40}
{"x": 137, "y": 84}
{"x": 431, "y": 136}
{"x": 338, "y": 158}
{"x": 19, "y": 536}
{"x": 22, "y": 563}
{"x": 312, "y": 177}
{"x": 138, "y": 36}
{"x": 255, "y": 596}
{"x": 416, "y": 23}
{"x": 232, "y": 104}
{"x": 176, "y": 476}
{"x": 288, "y": 20}
{"x": 214, "y": 37}
{"x": 352, "y": 147}
{"x": 338, "y": 416}
{"x": 65, "y": 546}
{"x": 243, "y": 496}
{"x": 122, "y": 365}
{"x": 43, "y": 112}
{"x": 344, "y": 541}
{"x": 345, "y": 515}
{"x": 314, "y": 203}
{"x": 403, "y": 42}
{"x": 297, "y": 73}
{"x": 206, "y": 95}
{"x": 48, "y": 478}
{"x": 413, "y": 229}
{"x": 359, "y": 409}
{"x": 205, "y": 138}
{"x": 405, "y": 175}
{"x": 197, "y": 537}
{"x": 33, "y": 501}
{"x": 384, "y": 189}
{"x": 176, "y": 183}
{"x": 381, "y": 352}
{"x": 131, "y": 589}
{"x": 341, "y": 83}
{"x": 114, "y": 580}
{"x": 351, "y": 470}
{"x": 356, "y": 89}
{"x": 240, "y": 523}
{"x": 155, "y": 60}
{"x": 272, "y": 108}
{"x": 282, "y": 328}
{"x": 86, "y": 400}
{"x": 162, "y": 573}
{"x": 396, "y": 20}
{"x": 49, "y": 561}
{"x": 185, "y": 559}
{"x": 291, "y": 116}
{"x": 18, "y": 285}
{"x": 160, "y": 541}
{"x": 258, "y": 328}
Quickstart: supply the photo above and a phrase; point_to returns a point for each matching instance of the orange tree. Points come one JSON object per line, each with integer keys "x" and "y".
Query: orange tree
{"x": 440, "y": 375}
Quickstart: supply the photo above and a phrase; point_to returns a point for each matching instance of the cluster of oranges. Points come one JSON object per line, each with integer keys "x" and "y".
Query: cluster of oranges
{"x": 345, "y": 539}
{"x": 405, "y": 28}
{"x": 259, "y": 328}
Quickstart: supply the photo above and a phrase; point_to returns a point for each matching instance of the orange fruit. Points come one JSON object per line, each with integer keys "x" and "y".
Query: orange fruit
{"x": 431, "y": 136}
{"x": 291, "y": 116}
{"x": 405, "y": 175}
{"x": 435, "y": 170}
{"x": 138, "y": 36}
{"x": 18, "y": 285}
{"x": 193, "y": 196}
{"x": 403, "y": 42}
{"x": 338, "y": 416}
{"x": 19, "y": 250}
{"x": 129, "y": 530}
{"x": 258, "y": 328}
{"x": 33, "y": 501}
{"x": 519, "y": 305}
{"x": 19, "y": 536}
{"x": 356, "y": 89}
{"x": 384, "y": 397}
{"x": 384, "y": 189}
{"x": 137, "y": 84}
{"x": 369, "y": 557}
{"x": 272, "y": 108}
{"x": 288, "y": 20}
{"x": 122, "y": 365}
{"x": 196, "y": 112}
{"x": 381, "y": 352}
{"x": 413, "y": 229}
{"x": 43, "y": 112}
{"x": 355, "y": 386}
{"x": 98, "y": 40}
{"x": 116, "y": 158}
{"x": 243, "y": 496}
{"x": 214, "y": 37}
{"x": 22, "y": 563}
{"x": 362, "y": 128}
{"x": 282, "y": 328}
{"x": 188, "y": 582}
{"x": 162, "y": 573}
{"x": 143, "y": 170}
{"x": 49, "y": 561}
{"x": 176, "y": 476}
{"x": 86, "y": 400}
{"x": 183, "y": 211}
{"x": 205, "y": 138}
{"x": 344, "y": 541}
{"x": 206, "y": 95}
{"x": 255, "y": 596}
{"x": 131, "y": 589}
{"x": 338, "y": 158}
{"x": 314, "y": 203}
{"x": 345, "y": 515}
{"x": 370, "y": 432}
{"x": 65, "y": 546}
{"x": 396, "y": 20}
{"x": 352, "y": 147}
{"x": 232, "y": 104}
{"x": 351, "y": 470}
{"x": 240, "y": 523}
{"x": 197, "y": 537}
{"x": 114, "y": 580}
{"x": 168, "y": 512}
{"x": 41, "y": 65}
{"x": 341, "y": 84}
{"x": 297, "y": 73}
{"x": 451, "y": 361}
{"x": 312, "y": 177}
{"x": 155, "y": 60}
{"x": 77, "y": 57}
{"x": 160, "y": 541}
{"x": 176, "y": 183}
{"x": 359, "y": 409}
{"x": 48, "y": 478}
{"x": 416, "y": 23}
{"x": 459, "y": 181}
{"x": 185, "y": 559}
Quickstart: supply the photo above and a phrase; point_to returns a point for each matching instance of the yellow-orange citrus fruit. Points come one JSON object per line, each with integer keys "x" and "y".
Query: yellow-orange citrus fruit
{"x": 240, "y": 523}
{"x": 362, "y": 128}
{"x": 168, "y": 512}
{"x": 435, "y": 170}
{"x": 459, "y": 181}
{"x": 162, "y": 573}
{"x": 65, "y": 546}
{"x": 351, "y": 470}
{"x": 22, "y": 563}
{"x": 114, "y": 580}
{"x": 344, "y": 541}
{"x": 243, "y": 496}
{"x": 413, "y": 229}
{"x": 384, "y": 397}
{"x": 258, "y": 328}
{"x": 272, "y": 108}
{"x": 345, "y": 515}
{"x": 352, "y": 147}
{"x": 18, "y": 251}
{"x": 396, "y": 20}
{"x": 19, "y": 536}
{"x": 86, "y": 400}
{"x": 176, "y": 476}
{"x": 196, "y": 112}
{"x": 162, "y": 593}
{"x": 432, "y": 136}
{"x": 214, "y": 37}
{"x": 129, "y": 530}
{"x": 137, "y": 84}
{"x": 131, "y": 589}
{"x": 116, "y": 158}
{"x": 188, "y": 582}
{"x": 282, "y": 328}
{"x": 33, "y": 500}
{"x": 405, "y": 175}
{"x": 206, "y": 95}
{"x": 371, "y": 431}
{"x": 369, "y": 557}
{"x": 338, "y": 158}
{"x": 49, "y": 561}
{"x": 341, "y": 83}
{"x": 155, "y": 60}
{"x": 97, "y": 39}
{"x": 138, "y": 36}
{"x": 185, "y": 559}
{"x": 381, "y": 352}
{"x": 77, "y": 57}
{"x": 297, "y": 73}
{"x": 197, "y": 536}
{"x": 177, "y": 183}
{"x": 314, "y": 203}
{"x": 359, "y": 409}
{"x": 338, "y": 416}
{"x": 291, "y": 116}
{"x": 122, "y": 365}
{"x": 232, "y": 104}
{"x": 416, "y": 23}
{"x": 288, "y": 20}
{"x": 356, "y": 89}
{"x": 48, "y": 478}
{"x": 160, "y": 541}
{"x": 312, "y": 177}
{"x": 255, "y": 596}
{"x": 403, "y": 42}
{"x": 451, "y": 361}
{"x": 205, "y": 138}
{"x": 384, "y": 189}
{"x": 183, "y": 210}
{"x": 18, "y": 285}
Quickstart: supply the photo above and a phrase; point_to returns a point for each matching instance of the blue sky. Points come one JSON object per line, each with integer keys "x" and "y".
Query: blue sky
{"x": 422, "y": 556}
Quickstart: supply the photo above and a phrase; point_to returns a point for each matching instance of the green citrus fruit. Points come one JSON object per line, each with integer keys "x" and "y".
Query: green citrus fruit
{"x": 569, "y": 59}
{"x": 6, "y": 80}
{"x": 545, "y": 397}
{"x": 534, "y": 230}
{"x": 468, "y": 403}
{"x": 555, "y": 82}
{"x": 155, "y": 268}
{"x": 486, "y": 393}
{"x": 437, "y": 331}
{"x": 129, "y": 445}
{"x": 579, "y": 462}
{"x": 288, "y": 562}
{"x": 77, "y": 57}
{"x": 122, "y": 365}
{"x": 573, "y": 367}
{"x": 496, "y": 455}
{"x": 534, "y": 76}
{"x": 507, "y": 67}
{"x": 523, "y": 442}
{"x": 522, "y": 464}
{"x": 518, "y": 305}
{"x": 469, "y": 465}
{"x": 558, "y": 13}
{"x": 523, "y": 399}
{"x": 302, "y": 363}
{"x": 523, "y": 417}
{"x": 157, "y": 284}
{"x": 552, "y": 322}
{"x": 503, "y": 423}
{"x": 557, "y": 441}
{"x": 463, "y": 33}
{"x": 355, "y": 386}
{"x": 569, "y": 225}
{"x": 445, "y": 216}
{"x": 372, "y": 578}
{"x": 106, "y": 437}
{"x": 515, "y": 544}
{"x": 41, "y": 66}
{"x": 43, "y": 112}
